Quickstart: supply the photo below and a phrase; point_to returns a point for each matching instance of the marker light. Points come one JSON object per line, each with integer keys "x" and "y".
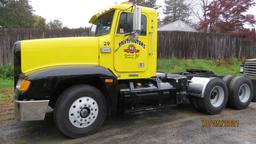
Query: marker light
{"x": 23, "y": 85}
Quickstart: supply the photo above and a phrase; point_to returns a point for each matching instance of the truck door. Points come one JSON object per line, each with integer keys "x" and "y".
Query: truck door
{"x": 130, "y": 55}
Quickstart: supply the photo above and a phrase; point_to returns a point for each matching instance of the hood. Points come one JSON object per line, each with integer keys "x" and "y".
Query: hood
{"x": 43, "y": 53}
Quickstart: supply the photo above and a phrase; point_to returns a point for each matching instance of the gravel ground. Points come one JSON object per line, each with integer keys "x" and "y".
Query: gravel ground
{"x": 170, "y": 125}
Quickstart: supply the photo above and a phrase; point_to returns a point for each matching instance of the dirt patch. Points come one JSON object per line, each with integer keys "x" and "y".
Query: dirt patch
{"x": 6, "y": 112}
{"x": 6, "y": 105}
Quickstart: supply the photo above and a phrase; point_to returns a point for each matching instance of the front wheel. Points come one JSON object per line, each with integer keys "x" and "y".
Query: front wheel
{"x": 80, "y": 110}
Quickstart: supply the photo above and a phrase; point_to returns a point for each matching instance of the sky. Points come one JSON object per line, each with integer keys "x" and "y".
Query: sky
{"x": 72, "y": 13}
{"x": 77, "y": 13}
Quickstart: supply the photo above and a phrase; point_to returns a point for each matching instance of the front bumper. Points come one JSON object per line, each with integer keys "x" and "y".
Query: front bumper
{"x": 31, "y": 110}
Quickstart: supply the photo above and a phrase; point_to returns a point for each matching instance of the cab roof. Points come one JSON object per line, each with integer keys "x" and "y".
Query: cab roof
{"x": 122, "y": 6}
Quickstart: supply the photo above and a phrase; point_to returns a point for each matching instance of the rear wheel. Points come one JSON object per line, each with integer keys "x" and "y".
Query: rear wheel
{"x": 194, "y": 102}
{"x": 215, "y": 97}
{"x": 241, "y": 92}
{"x": 80, "y": 110}
{"x": 227, "y": 79}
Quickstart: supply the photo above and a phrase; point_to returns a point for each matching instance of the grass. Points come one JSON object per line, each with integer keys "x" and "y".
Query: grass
{"x": 6, "y": 83}
{"x": 6, "y": 72}
{"x": 6, "y": 95}
{"x": 6, "y": 90}
{"x": 220, "y": 67}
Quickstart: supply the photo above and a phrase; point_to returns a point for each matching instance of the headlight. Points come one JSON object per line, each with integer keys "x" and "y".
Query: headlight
{"x": 241, "y": 68}
{"x": 23, "y": 85}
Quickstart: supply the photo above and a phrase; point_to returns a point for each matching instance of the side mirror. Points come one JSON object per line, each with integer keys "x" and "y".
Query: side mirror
{"x": 136, "y": 19}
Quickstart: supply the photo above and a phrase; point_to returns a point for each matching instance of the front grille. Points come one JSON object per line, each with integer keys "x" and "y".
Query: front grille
{"x": 250, "y": 68}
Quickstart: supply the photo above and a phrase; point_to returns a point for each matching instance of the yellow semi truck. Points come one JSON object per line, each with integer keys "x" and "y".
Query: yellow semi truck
{"x": 86, "y": 79}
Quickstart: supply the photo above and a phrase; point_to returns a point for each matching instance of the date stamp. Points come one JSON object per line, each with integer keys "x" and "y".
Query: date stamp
{"x": 228, "y": 123}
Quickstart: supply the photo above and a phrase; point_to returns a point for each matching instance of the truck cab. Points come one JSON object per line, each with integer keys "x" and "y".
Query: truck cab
{"x": 126, "y": 57}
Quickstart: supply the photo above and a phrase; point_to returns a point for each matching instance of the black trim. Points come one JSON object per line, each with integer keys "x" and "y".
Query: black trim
{"x": 17, "y": 61}
{"x": 67, "y": 71}
{"x": 45, "y": 82}
{"x": 48, "y": 83}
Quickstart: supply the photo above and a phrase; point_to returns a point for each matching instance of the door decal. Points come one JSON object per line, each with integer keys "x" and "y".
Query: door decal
{"x": 131, "y": 52}
{"x": 127, "y": 41}
{"x": 131, "y": 49}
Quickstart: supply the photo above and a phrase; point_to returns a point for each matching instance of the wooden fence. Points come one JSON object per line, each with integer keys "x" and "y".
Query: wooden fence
{"x": 170, "y": 44}
{"x": 203, "y": 45}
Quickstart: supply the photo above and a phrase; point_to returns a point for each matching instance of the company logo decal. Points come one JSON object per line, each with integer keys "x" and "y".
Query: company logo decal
{"x": 127, "y": 41}
{"x": 131, "y": 49}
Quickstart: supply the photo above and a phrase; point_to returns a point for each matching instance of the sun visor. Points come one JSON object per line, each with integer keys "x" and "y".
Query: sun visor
{"x": 94, "y": 18}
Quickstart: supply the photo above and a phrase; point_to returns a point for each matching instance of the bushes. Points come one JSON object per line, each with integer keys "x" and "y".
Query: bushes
{"x": 6, "y": 72}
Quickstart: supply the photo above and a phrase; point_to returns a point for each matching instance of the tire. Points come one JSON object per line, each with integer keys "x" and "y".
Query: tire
{"x": 215, "y": 97}
{"x": 227, "y": 79}
{"x": 80, "y": 110}
{"x": 194, "y": 102}
{"x": 241, "y": 92}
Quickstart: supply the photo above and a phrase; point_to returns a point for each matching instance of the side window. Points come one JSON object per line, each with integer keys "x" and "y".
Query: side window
{"x": 104, "y": 23}
{"x": 126, "y": 23}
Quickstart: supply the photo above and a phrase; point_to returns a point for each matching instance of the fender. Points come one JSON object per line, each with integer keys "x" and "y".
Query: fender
{"x": 48, "y": 83}
{"x": 67, "y": 71}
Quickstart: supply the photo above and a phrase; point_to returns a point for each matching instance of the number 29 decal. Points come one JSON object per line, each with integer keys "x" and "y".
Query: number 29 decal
{"x": 106, "y": 43}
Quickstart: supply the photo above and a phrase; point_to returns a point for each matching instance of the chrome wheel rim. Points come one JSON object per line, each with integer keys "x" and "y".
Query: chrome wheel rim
{"x": 244, "y": 93}
{"x": 83, "y": 112}
{"x": 217, "y": 96}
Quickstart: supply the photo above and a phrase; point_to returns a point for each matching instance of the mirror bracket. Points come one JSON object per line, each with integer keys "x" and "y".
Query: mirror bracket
{"x": 134, "y": 36}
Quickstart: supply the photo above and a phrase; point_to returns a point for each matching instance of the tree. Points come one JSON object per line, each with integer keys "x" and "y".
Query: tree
{"x": 39, "y": 22}
{"x": 176, "y": 10}
{"x": 200, "y": 9}
{"x": 3, "y": 3}
{"x": 146, "y": 3}
{"x": 16, "y": 14}
{"x": 55, "y": 24}
{"x": 227, "y": 16}
{"x": 151, "y": 4}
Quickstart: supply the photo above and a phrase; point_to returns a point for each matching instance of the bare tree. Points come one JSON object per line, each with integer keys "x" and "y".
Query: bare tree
{"x": 200, "y": 8}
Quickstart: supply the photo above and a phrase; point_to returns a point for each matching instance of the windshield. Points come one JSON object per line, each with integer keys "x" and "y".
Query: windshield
{"x": 104, "y": 23}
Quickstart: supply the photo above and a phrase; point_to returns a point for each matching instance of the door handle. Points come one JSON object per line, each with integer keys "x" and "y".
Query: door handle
{"x": 152, "y": 44}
